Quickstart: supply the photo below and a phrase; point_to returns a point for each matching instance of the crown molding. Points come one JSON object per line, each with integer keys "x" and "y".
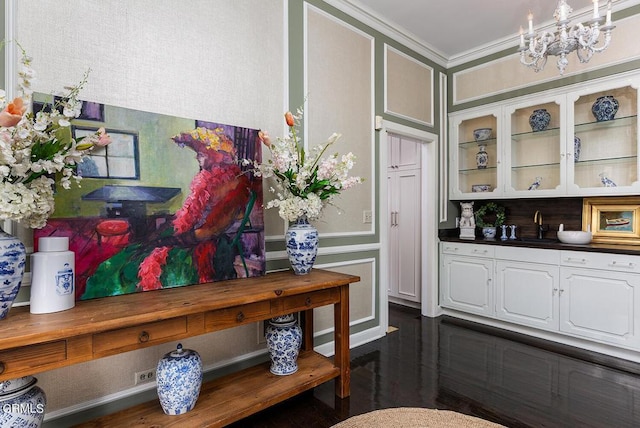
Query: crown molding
{"x": 357, "y": 10}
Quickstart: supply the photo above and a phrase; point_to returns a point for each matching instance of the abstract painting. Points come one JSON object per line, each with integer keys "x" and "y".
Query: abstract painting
{"x": 170, "y": 207}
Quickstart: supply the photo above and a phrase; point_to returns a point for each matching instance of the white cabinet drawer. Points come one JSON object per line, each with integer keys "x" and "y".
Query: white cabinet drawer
{"x": 608, "y": 261}
{"x": 532, "y": 255}
{"x": 463, "y": 249}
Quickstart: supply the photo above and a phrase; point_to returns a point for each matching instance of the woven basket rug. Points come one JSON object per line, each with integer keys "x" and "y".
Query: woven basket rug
{"x": 409, "y": 417}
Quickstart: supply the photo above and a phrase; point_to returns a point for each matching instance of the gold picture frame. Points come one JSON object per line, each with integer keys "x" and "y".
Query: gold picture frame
{"x": 612, "y": 220}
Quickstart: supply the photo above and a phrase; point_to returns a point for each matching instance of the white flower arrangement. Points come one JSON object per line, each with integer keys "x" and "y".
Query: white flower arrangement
{"x": 304, "y": 183}
{"x": 35, "y": 148}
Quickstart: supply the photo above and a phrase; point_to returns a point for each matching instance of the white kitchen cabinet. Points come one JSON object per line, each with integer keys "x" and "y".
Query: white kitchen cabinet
{"x": 466, "y": 278}
{"x": 526, "y": 293}
{"x": 404, "y": 220}
{"x": 524, "y": 163}
{"x": 403, "y": 153}
{"x": 466, "y": 177}
{"x": 600, "y": 304}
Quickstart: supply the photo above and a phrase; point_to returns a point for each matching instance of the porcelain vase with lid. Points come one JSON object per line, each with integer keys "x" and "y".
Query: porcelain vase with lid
{"x": 302, "y": 245}
{"x": 284, "y": 338}
{"x": 13, "y": 257}
{"x": 605, "y": 108}
{"x": 539, "y": 120}
{"x": 22, "y": 403}
{"x": 179, "y": 379}
{"x": 482, "y": 158}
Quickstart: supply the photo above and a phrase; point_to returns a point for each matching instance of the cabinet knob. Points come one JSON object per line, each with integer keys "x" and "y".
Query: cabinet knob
{"x": 307, "y": 301}
{"x": 240, "y": 316}
{"x": 143, "y": 337}
{"x": 2, "y": 367}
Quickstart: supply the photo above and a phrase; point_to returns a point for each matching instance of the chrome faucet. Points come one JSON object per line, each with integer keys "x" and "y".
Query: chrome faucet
{"x": 537, "y": 219}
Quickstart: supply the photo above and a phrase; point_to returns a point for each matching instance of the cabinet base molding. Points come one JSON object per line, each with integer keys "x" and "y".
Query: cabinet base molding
{"x": 604, "y": 355}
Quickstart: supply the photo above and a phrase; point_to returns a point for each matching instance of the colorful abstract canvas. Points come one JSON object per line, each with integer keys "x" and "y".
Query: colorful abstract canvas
{"x": 167, "y": 204}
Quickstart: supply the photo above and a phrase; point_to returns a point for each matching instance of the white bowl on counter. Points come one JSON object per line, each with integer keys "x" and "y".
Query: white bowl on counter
{"x": 574, "y": 237}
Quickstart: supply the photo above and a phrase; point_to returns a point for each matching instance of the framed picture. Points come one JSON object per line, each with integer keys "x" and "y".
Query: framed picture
{"x": 612, "y": 220}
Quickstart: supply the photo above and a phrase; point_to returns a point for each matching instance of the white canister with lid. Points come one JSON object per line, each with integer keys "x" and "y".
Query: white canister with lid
{"x": 52, "y": 276}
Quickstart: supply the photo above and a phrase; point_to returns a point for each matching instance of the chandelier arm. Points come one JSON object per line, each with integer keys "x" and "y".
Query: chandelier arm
{"x": 584, "y": 54}
{"x": 537, "y": 63}
{"x": 607, "y": 41}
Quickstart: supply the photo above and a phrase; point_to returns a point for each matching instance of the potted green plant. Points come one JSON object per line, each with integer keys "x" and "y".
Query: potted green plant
{"x": 489, "y": 217}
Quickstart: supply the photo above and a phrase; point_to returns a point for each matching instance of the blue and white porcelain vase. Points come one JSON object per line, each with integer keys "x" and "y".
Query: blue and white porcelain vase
{"x": 284, "y": 338}
{"x": 577, "y": 146}
{"x": 482, "y": 158}
{"x": 302, "y": 245}
{"x": 13, "y": 257}
{"x": 179, "y": 378}
{"x": 22, "y": 403}
{"x": 539, "y": 119}
{"x": 605, "y": 108}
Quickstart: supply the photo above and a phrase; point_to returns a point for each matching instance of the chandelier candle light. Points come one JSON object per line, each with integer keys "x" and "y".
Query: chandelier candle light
{"x": 582, "y": 38}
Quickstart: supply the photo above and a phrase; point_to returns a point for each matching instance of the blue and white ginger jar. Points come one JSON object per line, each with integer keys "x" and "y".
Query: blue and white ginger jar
{"x": 539, "y": 119}
{"x": 13, "y": 257}
{"x": 179, "y": 378}
{"x": 302, "y": 245}
{"x": 605, "y": 108}
{"x": 22, "y": 403}
{"x": 482, "y": 157}
{"x": 284, "y": 338}
{"x": 577, "y": 147}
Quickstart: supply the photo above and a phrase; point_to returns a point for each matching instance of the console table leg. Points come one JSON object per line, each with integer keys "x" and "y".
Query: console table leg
{"x": 341, "y": 337}
{"x": 307, "y": 330}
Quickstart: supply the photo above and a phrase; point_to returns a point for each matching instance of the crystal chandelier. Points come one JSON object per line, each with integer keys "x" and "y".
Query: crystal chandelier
{"x": 584, "y": 39}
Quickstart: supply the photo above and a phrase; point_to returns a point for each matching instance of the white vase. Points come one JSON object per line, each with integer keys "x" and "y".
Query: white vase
{"x": 284, "y": 338}
{"x": 13, "y": 257}
{"x": 302, "y": 245}
{"x": 52, "y": 276}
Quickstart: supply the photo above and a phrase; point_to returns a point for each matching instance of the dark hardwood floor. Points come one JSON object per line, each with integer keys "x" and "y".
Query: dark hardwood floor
{"x": 438, "y": 363}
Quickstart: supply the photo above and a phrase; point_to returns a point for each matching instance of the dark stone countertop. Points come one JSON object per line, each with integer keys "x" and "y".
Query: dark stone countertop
{"x": 451, "y": 235}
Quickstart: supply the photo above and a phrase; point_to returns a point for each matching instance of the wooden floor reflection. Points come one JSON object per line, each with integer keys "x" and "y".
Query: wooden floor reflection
{"x": 436, "y": 363}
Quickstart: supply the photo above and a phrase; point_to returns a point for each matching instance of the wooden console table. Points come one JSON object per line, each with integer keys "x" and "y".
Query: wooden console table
{"x": 97, "y": 328}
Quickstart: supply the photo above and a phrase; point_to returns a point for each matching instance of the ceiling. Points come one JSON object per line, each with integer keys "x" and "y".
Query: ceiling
{"x": 454, "y": 31}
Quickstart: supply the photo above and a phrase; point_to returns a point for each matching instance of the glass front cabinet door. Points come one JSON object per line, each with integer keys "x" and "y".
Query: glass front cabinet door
{"x": 603, "y": 131}
{"x": 580, "y": 141}
{"x": 535, "y": 155}
{"x": 475, "y": 155}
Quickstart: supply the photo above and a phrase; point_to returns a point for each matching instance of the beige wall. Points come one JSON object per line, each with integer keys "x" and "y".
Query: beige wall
{"x": 408, "y": 87}
{"x": 508, "y": 73}
{"x": 339, "y": 87}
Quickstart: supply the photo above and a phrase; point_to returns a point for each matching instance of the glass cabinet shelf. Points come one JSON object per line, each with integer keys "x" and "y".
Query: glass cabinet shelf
{"x": 605, "y": 161}
{"x": 524, "y": 136}
{"x": 487, "y": 142}
{"x": 477, "y": 170}
{"x": 538, "y": 165}
{"x": 606, "y": 124}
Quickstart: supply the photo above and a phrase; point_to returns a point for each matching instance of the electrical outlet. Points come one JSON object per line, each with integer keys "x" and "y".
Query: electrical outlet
{"x": 367, "y": 217}
{"x": 145, "y": 376}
